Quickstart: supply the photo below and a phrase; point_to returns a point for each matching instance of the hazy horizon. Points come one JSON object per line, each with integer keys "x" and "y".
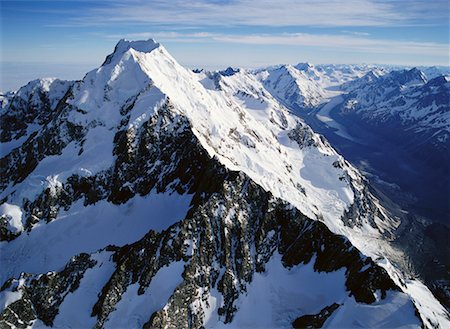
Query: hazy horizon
{"x": 67, "y": 38}
{"x": 18, "y": 74}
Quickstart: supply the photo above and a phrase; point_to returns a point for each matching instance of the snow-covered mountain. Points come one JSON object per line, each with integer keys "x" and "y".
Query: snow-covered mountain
{"x": 393, "y": 123}
{"x": 147, "y": 195}
{"x": 406, "y": 107}
{"x": 289, "y": 84}
{"x": 305, "y": 86}
{"x": 24, "y": 112}
{"x": 404, "y": 98}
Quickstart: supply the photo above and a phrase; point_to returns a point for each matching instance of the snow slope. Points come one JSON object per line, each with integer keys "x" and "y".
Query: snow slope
{"x": 252, "y": 143}
{"x": 88, "y": 229}
{"x": 269, "y": 304}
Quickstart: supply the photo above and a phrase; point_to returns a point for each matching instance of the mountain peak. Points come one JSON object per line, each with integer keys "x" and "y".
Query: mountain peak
{"x": 144, "y": 46}
{"x": 304, "y": 66}
{"x": 229, "y": 71}
{"x": 412, "y": 76}
{"x": 439, "y": 81}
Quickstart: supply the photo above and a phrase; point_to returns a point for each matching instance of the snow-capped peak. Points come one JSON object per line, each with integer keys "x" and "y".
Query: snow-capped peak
{"x": 304, "y": 66}
{"x": 300, "y": 87}
{"x": 410, "y": 77}
{"x": 240, "y": 131}
{"x": 144, "y": 46}
{"x": 229, "y": 71}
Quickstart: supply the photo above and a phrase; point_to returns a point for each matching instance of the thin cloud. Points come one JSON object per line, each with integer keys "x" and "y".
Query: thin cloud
{"x": 163, "y": 35}
{"x": 244, "y": 12}
{"x": 358, "y": 43}
{"x": 343, "y": 42}
{"x": 358, "y": 33}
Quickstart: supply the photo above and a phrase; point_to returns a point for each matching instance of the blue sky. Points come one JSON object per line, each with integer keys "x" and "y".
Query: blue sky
{"x": 67, "y": 38}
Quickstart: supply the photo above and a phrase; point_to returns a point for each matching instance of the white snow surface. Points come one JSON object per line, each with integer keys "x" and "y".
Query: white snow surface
{"x": 257, "y": 135}
{"x": 13, "y": 215}
{"x": 297, "y": 86}
{"x": 134, "y": 310}
{"x": 431, "y": 312}
{"x": 48, "y": 247}
{"x": 275, "y": 298}
{"x": 395, "y": 311}
{"x": 9, "y": 297}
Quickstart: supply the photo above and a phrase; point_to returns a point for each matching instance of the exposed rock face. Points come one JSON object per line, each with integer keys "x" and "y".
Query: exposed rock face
{"x": 231, "y": 231}
{"x": 33, "y": 104}
{"x": 58, "y": 132}
{"x": 233, "y": 228}
{"x": 161, "y": 148}
{"x": 316, "y": 320}
{"x": 19, "y": 314}
{"x": 43, "y": 294}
